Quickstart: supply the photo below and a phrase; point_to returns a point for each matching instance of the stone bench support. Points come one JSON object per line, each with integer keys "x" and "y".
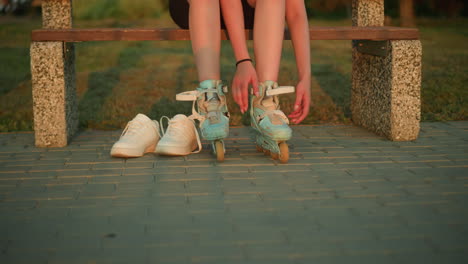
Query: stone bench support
{"x": 385, "y": 96}
{"x": 55, "y": 106}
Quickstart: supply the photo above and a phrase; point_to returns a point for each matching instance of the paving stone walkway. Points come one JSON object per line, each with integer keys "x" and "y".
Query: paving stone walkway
{"x": 346, "y": 196}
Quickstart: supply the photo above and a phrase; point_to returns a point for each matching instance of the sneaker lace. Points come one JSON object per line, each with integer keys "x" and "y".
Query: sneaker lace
{"x": 175, "y": 127}
{"x": 131, "y": 128}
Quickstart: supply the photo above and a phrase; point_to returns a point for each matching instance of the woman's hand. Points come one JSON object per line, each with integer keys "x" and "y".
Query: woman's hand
{"x": 245, "y": 75}
{"x": 302, "y": 104}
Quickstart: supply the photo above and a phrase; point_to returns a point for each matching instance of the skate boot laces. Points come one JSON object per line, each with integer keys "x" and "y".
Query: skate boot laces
{"x": 177, "y": 128}
{"x": 212, "y": 106}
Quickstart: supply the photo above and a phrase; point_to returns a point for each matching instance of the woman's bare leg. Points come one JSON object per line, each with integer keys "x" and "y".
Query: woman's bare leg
{"x": 268, "y": 37}
{"x": 204, "y": 21}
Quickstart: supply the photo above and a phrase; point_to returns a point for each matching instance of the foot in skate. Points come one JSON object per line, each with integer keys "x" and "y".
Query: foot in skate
{"x": 270, "y": 122}
{"x": 211, "y": 112}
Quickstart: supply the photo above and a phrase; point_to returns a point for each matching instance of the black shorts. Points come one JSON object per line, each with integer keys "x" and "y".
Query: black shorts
{"x": 179, "y": 10}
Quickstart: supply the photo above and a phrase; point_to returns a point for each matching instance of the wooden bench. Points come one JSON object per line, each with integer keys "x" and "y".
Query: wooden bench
{"x": 386, "y": 74}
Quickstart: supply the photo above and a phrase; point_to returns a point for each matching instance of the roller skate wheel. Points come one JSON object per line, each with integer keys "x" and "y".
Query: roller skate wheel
{"x": 219, "y": 151}
{"x": 274, "y": 156}
{"x": 284, "y": 152}
{"x": 259, "y": 149}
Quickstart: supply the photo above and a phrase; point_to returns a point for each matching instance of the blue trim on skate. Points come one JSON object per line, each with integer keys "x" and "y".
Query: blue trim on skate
{"x": 215, "y": 131}
{"x": 268, "y": 135}
{"x": 265, "y": 127}
{"x": 210, "y": 86}
{"x": 275, "y": 132}
{"x": 219, "y": 130}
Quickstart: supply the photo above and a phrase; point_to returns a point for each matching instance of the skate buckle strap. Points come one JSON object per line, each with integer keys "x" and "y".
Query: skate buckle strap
{"x": 219, "y": 89}
{"x": 280, "y": 90}
{"x": 175, "y": 125}
{"x": 187, "y": 96}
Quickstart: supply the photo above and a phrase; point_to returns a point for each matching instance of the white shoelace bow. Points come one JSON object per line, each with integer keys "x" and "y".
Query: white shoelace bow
{"x": 173, "y": 125}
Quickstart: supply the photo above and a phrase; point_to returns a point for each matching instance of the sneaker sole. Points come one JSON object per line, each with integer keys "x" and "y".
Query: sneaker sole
{"x": 131, "y": 153}
{"x": 173, "y": 151}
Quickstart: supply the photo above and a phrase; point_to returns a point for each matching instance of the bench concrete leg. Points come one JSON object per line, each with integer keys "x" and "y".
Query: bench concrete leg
{"x": 367, "y": 13}
{"x": 54, "y": 93}
{"x": 385, "y": 94}
{"x": 53, "y": 80}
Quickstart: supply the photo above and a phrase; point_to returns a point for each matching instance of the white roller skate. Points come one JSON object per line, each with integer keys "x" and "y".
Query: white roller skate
{"x": 270, "y": 123}
{"x": 211, "y": 112}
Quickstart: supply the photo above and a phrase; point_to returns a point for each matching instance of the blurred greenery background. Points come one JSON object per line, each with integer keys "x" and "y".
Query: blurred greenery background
{"x": 117, "y": 80}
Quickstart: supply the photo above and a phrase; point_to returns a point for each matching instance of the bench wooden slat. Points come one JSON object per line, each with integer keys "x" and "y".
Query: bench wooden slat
{"x": 137, "y": 34}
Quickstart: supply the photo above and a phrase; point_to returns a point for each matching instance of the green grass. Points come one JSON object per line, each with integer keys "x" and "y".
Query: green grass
{"x": 445, "y": 71}
{"x": 118, "y": 9}
{"x": 117, "y": 80}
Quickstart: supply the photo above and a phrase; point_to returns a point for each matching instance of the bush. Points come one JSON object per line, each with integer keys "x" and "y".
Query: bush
{"x": 16, "y": 7}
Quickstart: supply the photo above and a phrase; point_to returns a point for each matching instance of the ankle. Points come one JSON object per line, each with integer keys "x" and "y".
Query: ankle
{"x": 209, "y": 84}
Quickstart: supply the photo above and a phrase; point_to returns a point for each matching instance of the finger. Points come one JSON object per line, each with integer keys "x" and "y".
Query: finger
{"x": 301, "y": 118}
{"x": 295, "y": 113}
{"x": 239, "y": 98}
{"x": 254, "y": 83}
{"x": 305, "y": 112}
{"x": 244, "y": 96}
{"x": 235, "y": 94}
{"x": 299, "y": 99}
{"x": 295, "y": 116}
{"x": 297, "y": 105}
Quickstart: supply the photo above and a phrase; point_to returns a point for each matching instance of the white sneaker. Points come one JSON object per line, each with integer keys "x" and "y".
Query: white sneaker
{"x": 140, "y": 136}
{"x": 181, "y": 137}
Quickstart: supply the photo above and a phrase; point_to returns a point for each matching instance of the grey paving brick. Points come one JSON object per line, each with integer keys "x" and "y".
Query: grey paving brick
{"x": 108, "y": 166}
{"x": 17, "y": 255}
{"x": 345, "y": 196}
{"x": 208, "y": 170}
{"x": 74, "y": 255}
{"x": 140, "y": 165}
{"x": 456, "y": 257}
{"x": 130, "y": 171}
{"x": 97, "y": 189}
{"x": 66, "y": 204}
